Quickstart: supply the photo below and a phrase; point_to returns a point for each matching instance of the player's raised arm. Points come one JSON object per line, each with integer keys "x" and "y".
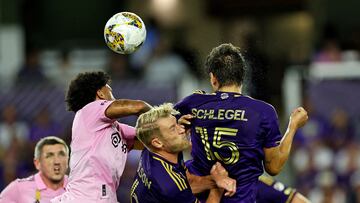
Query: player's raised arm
{"x": 125, "y": 107}
{"x": 96, "y": 133}
{"x": 276, "y": 157}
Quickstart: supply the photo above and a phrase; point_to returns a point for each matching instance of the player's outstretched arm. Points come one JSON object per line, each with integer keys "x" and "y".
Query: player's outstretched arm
{"x": 126, "y": 107}
{"x": 276, "y": 157}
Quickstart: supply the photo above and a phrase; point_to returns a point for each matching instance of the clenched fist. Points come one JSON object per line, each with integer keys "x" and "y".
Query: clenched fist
{"x": 298, "y": 118}
{"x": 222, "y": 180}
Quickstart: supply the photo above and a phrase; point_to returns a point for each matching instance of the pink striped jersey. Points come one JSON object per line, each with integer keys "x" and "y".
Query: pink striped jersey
{"x": 99, "y": 150}
{"x": 30, "y": 189}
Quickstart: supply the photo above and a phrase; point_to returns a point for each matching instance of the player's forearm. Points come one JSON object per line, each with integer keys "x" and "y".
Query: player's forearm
{"x": 215, "y": 195}
{"x": 124, "y": 107}
{"x": 297, "y": 119}
{"x": 200, "y": 183}
{"x": 138, "y": 107}
{"x": 285, "y": 144}
{"x": 275, "y": 163}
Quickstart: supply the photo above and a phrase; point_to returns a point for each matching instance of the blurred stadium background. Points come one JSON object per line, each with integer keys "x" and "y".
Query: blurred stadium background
{"x": 299, "y": 53}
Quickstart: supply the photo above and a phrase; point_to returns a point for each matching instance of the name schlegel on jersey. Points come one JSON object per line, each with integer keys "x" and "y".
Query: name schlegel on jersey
{"x": 219, "y": 114}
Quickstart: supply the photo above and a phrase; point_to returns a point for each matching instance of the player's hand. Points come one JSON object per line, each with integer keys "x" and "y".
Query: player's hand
{"x": 298, "y": 118}
{"x": 185, "y": 119}
{"x": 222, "y": 180}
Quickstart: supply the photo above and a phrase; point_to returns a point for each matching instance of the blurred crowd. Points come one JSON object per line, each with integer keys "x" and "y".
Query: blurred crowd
{"x": 18, "y": 139}
{"x": 325, "y": 161}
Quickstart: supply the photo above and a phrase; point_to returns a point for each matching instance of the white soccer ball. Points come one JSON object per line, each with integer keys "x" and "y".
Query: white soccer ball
{"x": 124, "y": 32}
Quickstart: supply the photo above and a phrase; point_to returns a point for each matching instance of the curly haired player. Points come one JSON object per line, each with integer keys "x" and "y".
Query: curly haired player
{"x": 99, "y": 143}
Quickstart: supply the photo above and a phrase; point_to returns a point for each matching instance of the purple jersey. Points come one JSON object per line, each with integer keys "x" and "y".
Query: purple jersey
{"x": 271, "y": 191}
{"x": 233, "y": 129}
{"x": 158, "y": 180}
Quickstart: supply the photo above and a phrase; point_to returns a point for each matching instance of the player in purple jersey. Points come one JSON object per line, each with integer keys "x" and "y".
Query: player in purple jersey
{"x": 161, "y": 174}
{"x": 240, "y": 132}
{"x": 272, "y": 191}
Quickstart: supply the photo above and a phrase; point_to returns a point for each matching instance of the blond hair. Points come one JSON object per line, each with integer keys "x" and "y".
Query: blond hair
{"x": 146, "y": 127}
{"x": 49, "y": 140}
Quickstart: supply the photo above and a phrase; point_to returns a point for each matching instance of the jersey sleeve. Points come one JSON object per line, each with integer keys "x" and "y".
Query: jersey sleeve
{"x": 10, "y": 194}
{"x": 270, "y": 126}
{"x": 270, "y": 190}
{"x": 178, "y": 196}
{"x": 172, "y": 185}
{"x": 129, "y": 134}
{"x": 94, "y": 115}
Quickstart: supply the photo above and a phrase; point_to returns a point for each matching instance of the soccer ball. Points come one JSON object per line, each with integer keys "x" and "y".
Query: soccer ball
{"x": 124, "y": 32}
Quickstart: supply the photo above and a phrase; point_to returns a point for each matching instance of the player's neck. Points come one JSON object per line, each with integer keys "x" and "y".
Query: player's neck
{"x": 171, "y": 157}
{"x": 50, "y": 184}
{"x": 230, "y": 88}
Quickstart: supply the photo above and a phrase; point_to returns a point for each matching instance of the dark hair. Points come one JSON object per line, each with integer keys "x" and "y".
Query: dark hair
{"x": 227, "y": 64}
{"x": 83, "y": 88}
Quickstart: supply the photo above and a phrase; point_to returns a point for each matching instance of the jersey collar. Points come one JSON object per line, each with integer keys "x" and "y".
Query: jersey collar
{"x": 40, "y": 185}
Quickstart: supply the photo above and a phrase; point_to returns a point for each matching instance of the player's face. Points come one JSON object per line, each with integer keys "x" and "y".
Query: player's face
{"x": 53, "y": 162}
{"x": 174, "y": 137}
{"x": 107, "y": 92}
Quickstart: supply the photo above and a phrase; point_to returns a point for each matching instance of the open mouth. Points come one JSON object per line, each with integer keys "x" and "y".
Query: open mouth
{"x": 57, "y": 169}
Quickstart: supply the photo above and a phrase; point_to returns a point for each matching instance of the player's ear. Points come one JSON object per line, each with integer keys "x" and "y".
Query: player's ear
{"x": 214, "y": 82}
{"x": 156, "y": 142}
{"x": 37, "y": 164}
{"x": 100, "y": 94}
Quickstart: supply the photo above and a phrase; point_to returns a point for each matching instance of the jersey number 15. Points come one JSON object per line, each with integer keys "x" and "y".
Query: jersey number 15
{"x": 218, "y": 144}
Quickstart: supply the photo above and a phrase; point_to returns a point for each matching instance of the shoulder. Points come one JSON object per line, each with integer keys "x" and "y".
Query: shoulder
{"x": 15, "y": 186}
{"x": 30, "y": 179}
{"x": 258, "y": 102}
{"x": 25, "y": 182}
{"x": 94, "y": 110}
{"x": 260, "y": 105}
{"x": 197, "y": 94}
{"x": 172, "y": 180}
{"x": 166, "y": 181}
{"x": 97, "y": 104}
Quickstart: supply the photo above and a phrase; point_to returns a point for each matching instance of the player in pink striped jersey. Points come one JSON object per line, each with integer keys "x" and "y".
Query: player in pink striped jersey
{"x": 99, "y": 143}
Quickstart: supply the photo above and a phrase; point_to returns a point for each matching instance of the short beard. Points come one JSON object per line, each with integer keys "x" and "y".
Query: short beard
{"x": 178, "y": 148}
